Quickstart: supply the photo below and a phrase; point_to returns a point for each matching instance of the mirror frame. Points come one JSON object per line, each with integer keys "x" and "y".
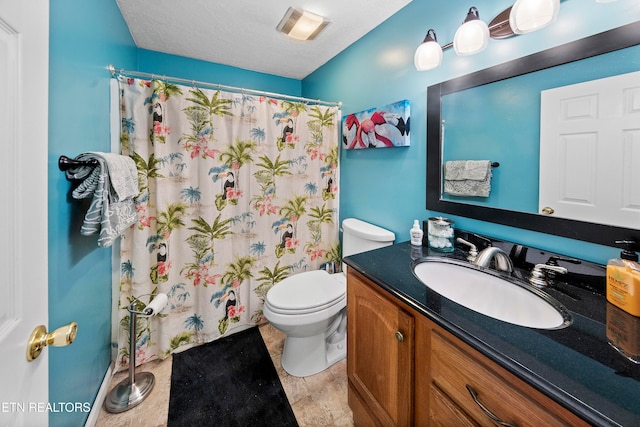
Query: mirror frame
{"x": 608, "y": 41}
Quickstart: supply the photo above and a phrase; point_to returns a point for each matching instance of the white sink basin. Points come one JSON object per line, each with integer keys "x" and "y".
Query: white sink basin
{"x": 486, "y": 292}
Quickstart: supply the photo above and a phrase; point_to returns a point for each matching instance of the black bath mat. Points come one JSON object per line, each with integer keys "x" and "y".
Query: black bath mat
{"x": 228, "y": 382}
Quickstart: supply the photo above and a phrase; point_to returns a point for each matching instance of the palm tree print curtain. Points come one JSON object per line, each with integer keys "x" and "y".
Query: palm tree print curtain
{"x": 236, "y": 193}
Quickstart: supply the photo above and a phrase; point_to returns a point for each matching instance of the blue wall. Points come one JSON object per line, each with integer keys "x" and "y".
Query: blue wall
{"x": 84, "y": 38}
{"x": 193, "y": 69}
{"x": 387, "y": 186}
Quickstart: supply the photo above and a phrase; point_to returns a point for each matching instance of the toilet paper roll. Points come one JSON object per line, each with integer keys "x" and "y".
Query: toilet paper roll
{"x": 156, "y": 305}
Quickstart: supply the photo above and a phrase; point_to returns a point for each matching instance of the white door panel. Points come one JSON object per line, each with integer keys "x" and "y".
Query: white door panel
{"x": 576, "y": 169}
{"x": 590, "y": 151}
{"x": 24, "y": 44}
{"x": 631, "y": 171}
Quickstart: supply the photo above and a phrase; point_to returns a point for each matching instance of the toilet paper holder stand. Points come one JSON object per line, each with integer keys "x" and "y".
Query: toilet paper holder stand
{"x": 131, "y": 391}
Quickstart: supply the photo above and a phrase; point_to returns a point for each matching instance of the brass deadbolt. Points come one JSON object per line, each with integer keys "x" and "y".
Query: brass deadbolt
{"x": 39, "y": 339}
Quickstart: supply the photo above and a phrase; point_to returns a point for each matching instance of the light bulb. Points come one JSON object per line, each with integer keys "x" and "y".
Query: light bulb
{"x": 531, "y": 15}
{"x": 429, "y": 54}
{"x": 472, "y": 37}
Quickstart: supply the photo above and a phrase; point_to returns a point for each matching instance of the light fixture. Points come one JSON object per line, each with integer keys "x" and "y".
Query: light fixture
{"x": 301, "y": 24}
{"x": 531, "y": 15}
{"x": 472, "y": 36}
{"x": 429, "y": 54}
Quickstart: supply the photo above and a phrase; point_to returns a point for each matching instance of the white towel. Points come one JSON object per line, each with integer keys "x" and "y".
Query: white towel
{"x": 467, "y": 178}
{"x": 113, "y": 184}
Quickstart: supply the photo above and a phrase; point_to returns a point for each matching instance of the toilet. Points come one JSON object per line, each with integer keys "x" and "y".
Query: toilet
{"x": 311, "y": 307}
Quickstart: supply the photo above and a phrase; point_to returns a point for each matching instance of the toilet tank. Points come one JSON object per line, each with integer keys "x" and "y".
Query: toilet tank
{"x": 359, "y": 236}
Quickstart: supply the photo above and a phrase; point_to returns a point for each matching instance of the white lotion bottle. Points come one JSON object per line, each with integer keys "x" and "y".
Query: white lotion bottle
{"x": 416, "y": 234}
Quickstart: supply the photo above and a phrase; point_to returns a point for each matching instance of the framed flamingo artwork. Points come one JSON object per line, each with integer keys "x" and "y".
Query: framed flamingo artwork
{"x": 382, "y": 127}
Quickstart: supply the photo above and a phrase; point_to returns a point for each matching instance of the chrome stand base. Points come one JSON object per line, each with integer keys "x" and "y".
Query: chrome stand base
{"x": 125, "y": 395}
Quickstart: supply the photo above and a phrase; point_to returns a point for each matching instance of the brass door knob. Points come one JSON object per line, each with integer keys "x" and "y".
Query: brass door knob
{"x": 39, "y": 339}
{"x": 547, "y": 210}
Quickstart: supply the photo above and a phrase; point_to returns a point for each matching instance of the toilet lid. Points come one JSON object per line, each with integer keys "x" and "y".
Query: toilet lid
{"x": 306, "y": 292}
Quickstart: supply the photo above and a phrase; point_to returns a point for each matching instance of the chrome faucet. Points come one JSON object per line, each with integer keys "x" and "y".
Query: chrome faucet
{"x": 502, "y": 260}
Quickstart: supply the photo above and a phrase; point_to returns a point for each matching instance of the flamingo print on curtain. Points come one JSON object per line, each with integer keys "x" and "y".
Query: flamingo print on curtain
{"x": 237, "y": 192}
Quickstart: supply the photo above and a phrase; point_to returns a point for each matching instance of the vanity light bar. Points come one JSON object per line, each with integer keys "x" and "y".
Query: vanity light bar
{"x": 473, "y": 35}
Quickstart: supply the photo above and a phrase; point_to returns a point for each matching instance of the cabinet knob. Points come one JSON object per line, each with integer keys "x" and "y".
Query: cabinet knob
{"x": 399, "y": 336}
{"x": 547, "y": 210}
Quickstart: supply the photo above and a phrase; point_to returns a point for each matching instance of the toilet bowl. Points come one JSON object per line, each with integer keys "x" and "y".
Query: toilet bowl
{"x": 311, "y": 311}
{"x": 310, "y": 307}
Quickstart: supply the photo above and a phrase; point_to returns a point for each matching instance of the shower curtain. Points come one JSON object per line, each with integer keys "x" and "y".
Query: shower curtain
{"x": 237, "y": 192}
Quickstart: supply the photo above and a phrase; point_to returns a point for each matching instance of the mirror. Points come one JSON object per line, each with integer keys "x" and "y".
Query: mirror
{"x": 520, "y": 216}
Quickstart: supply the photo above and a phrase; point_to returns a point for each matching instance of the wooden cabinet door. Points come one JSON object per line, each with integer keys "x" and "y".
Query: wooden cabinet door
{"x": 379, "y": 355}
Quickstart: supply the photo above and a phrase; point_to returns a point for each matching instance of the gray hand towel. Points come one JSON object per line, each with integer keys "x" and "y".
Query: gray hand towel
{"x": 467, "y": 178}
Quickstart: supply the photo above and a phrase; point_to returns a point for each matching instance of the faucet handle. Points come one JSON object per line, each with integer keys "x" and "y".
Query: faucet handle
{"x": 537, "y": 276}
{"x": 553, "y": 260}
{"x": 473, "y": 250}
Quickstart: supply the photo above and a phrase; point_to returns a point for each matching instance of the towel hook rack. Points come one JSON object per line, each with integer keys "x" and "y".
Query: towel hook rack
{"x": 495, "y": 164}
{"x": 65, "y": 163}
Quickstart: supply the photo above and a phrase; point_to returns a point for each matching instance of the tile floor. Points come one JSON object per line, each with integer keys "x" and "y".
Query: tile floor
{"x": 319, "y": 400}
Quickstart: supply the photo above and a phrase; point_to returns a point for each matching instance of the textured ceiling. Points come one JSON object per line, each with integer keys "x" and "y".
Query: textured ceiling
{"x": 242, "y": 33}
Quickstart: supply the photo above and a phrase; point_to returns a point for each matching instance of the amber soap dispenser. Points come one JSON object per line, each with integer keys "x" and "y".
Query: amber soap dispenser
{"x": 623, "y": 279}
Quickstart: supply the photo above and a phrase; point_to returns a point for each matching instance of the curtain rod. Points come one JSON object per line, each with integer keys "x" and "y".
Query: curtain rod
{"x": 113, "y": 72}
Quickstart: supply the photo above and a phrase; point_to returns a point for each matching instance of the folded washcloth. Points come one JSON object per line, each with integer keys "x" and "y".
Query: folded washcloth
{"x": 113, "y": 184}
{"x": 467, "y": 178}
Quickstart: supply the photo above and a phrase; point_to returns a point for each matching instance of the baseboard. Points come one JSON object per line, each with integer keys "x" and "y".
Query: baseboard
{"x": 100, "y": 397}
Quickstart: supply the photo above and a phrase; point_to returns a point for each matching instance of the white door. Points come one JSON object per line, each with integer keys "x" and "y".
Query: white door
{"x": 24, "y": 64}
{"x": 590, "y": 151}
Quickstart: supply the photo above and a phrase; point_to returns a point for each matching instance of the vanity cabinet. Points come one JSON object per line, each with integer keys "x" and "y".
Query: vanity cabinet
{"x": 405, "y": 370}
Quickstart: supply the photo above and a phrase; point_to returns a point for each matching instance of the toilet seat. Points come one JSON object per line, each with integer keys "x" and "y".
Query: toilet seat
{"x": 306, "y": 292}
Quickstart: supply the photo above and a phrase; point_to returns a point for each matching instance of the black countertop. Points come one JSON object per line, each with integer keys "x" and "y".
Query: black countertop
{"x": 576, "y": 366}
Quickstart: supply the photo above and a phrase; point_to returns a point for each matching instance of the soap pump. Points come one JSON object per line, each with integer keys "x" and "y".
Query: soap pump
{"x": 623, "y": 279}
{"x": 416, "y": 234}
